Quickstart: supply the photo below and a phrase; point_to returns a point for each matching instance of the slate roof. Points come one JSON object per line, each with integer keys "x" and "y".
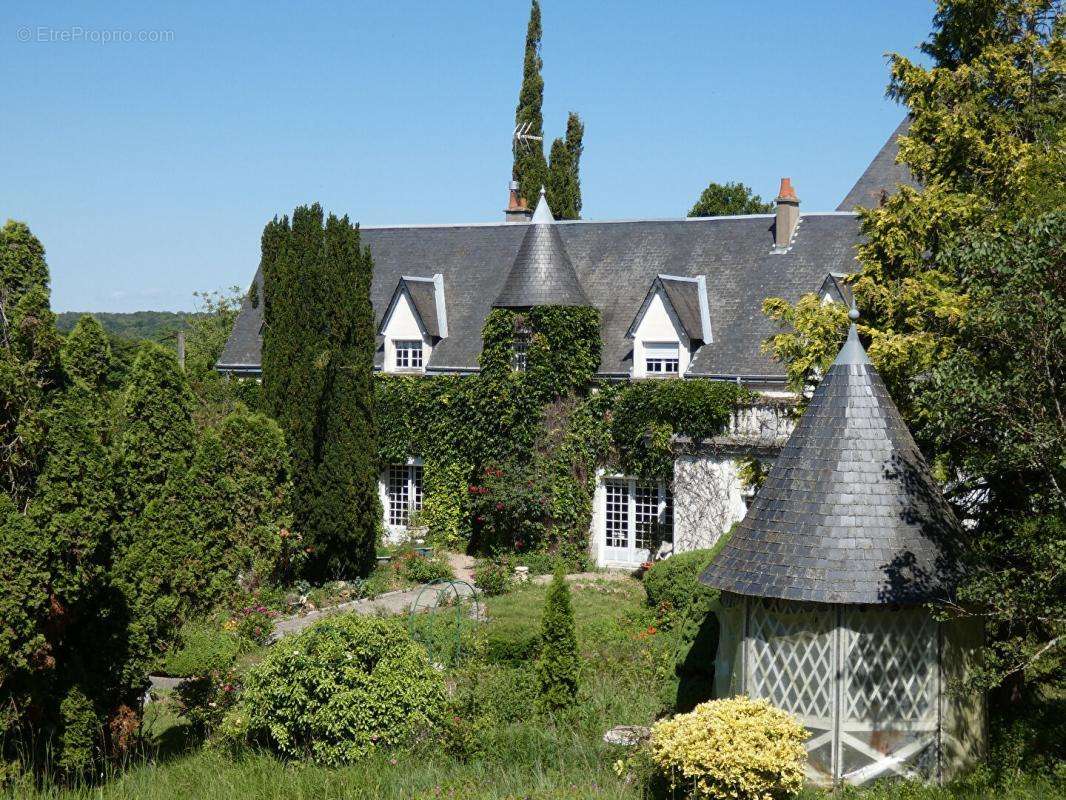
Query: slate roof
{"x": 849, "y": 512}
{"x": 883, "y": 174}
{"x": 615, "y": 263}
{"x": 542, "y": 274}
{"x": 684, "y": 296}
{"x": 423, "y": 295}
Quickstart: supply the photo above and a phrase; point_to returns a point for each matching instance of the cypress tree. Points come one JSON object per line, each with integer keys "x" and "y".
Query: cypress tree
{"x": 348, "y": 511}
{"x": 158, "y": 439}
{"x": 530, "y": 168}
{"x": 557, "y": 663}
{"x": 318, "y": 360}
{"x": 575, "y": 146}
{"x": 29, "y": 359}
{"x": 86, "y": 354}
{"x": 559, "y": 190}
{"x": 564, "y": 179}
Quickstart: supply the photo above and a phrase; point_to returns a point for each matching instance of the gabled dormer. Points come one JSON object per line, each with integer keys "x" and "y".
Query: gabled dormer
{"x": 672, "y": 323}
{"x": 834, "y": 289}
{"x": 414, "y": 322}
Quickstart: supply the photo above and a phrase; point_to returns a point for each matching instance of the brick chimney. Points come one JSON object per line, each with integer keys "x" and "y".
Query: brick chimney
{"x": 788, "y": 212}
{"x": 516, "y": 210}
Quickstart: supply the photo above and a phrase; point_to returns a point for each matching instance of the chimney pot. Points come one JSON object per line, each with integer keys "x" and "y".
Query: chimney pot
{"x": 517, "y": 210}
{"x": 787, "y": 211}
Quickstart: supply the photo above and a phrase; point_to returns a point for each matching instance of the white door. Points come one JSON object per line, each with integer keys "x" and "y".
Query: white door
{"x": 635, "y": 516}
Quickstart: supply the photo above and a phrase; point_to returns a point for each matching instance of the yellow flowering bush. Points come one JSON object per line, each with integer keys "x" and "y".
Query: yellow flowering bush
{"x": 738, "y": 748}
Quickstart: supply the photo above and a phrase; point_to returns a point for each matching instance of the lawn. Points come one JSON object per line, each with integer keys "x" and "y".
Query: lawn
{"x": 498, "y": 746}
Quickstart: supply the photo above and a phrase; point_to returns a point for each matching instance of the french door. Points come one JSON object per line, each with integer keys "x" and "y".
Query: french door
{"x": 638, "y": 518}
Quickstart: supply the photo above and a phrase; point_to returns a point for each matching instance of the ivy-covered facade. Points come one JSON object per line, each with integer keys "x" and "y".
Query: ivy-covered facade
{"x": 597, "y": 390}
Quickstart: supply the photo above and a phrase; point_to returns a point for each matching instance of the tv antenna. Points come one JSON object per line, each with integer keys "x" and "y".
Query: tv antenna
{"x": 523, "y": 138}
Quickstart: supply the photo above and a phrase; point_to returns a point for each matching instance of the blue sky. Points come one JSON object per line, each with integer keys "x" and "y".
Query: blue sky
{"x": 148, "y": 168}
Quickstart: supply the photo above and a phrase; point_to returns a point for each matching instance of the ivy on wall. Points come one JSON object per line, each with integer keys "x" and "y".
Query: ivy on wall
{"x": 511, "y": 456}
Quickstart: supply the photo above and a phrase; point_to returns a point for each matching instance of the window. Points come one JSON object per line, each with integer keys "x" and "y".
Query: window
{"x": 520, "y": 353}
{"x": 404, "y": 491}
{"x": 409, "y": 354}
{"x": 661, "y": 358}
{"x": 638, "y": 515}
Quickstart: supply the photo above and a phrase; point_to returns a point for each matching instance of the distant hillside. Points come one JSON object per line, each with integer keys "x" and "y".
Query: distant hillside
{"x": 155, "y": 325}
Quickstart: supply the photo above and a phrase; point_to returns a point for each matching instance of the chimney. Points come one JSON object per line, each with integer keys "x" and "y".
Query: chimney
{"x": 788, "y": 212}
{"x": 516, "y": 210}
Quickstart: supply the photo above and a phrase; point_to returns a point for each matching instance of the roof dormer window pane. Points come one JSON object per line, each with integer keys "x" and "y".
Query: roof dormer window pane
{"x": 408, "y": 354}
{"x": 661, "y": 358}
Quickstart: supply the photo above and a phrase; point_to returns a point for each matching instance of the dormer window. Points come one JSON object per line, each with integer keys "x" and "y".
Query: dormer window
{"x": 409, "y": 354}
{"x": 670, "y": 326}
{"x": 662, "y": 359}
{"x": 520, "y": 351}
{"x": 413, "y": 324}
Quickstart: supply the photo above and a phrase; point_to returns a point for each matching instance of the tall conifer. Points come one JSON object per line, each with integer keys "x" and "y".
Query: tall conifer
{"x": 86, "y": 354}
{"x": 530, "y": 168}
{"x": 564, "y": 179}
{"x": 318, "y": 357}
{"x": 158, "y": 438}
{"x": 557, "y": 663}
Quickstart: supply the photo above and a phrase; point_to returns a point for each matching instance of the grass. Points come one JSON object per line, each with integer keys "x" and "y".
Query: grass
{"x": 627, "y": 678}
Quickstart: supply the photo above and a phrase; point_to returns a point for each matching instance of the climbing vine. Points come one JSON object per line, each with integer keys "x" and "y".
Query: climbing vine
{"x": 511, "y": 455}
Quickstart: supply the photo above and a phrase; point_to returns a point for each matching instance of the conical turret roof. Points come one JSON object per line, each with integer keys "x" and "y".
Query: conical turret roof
{"x": 849, "y": 512}
{"x": 542, "y": 274}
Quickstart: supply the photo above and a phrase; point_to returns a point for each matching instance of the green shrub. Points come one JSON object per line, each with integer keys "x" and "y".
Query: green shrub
{"x": 342, "y": 687}
{"x": 673, "y": 589}
{"x": 203, "y": 649}
{"x": 420, "y": 569}
{"x": 503, "y": 694}
{"x": 737, "y": 748}
{"x": 207, "y": 660}
{"x": 493, "y": 578}
{"x": 672, "y": 585}
{"x": 557, "y": 661}
{"x": 254, "y": 623}
{"x": 79, "y": 734}
{"x": 511, "y": 643}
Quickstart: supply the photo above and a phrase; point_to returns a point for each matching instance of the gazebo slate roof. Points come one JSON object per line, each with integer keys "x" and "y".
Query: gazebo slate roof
{"x": 542, "y": 274}
{"x": 849, "y": 512}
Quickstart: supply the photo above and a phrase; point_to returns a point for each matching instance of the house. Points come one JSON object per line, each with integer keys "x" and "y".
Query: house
{"x": 679, "y": 298}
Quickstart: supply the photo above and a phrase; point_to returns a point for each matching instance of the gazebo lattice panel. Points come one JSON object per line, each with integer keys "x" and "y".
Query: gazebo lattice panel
{"x": 864, "y": 681}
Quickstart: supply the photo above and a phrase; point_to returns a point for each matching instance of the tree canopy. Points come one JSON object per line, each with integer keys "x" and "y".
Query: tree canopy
{"x": 727, "y": 200}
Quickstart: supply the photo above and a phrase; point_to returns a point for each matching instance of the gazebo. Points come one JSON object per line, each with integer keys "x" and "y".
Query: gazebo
{"x": 827, "y": 585}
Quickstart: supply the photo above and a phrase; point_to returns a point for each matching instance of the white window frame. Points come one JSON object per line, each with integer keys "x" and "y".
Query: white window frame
{"x": 409, "y": 355}
{"x": 662, "y": 359}
{"x": 621, "y": 510}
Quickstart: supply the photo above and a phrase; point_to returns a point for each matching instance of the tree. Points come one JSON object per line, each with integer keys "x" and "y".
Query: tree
{"x": 86, "y": 354}
{"x": 961, "y": 319}
{"x": 530, "y": 168}
{"x": 209, "y": 329}
{"x": 557, "y": 661}
{"x": 29, "y": 359}
{"x": 158, "y": 438}
{"x": 318, "y": 360}
{"x": 727, "y": 200}
{"x": 564, "y": 178}
{"x": 216, "y": 530}
{"x": 66, "y": 642}
{"x": 1011, "y": 344}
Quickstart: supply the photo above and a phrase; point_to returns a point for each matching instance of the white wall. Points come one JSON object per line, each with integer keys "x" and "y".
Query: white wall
{"x": 658, "y": 325}
{"x": 403, "y": 325}
{"x": 708, "y": 499}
